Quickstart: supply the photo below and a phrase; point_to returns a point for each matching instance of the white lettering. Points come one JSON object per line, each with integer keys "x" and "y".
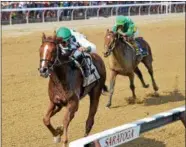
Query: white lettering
{"x": 118, "y": 138}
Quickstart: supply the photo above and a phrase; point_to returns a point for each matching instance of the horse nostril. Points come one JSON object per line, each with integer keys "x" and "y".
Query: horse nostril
{"x": 43, "y": 70}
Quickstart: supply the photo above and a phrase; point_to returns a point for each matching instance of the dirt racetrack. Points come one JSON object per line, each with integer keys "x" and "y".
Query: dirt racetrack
{"x": 25, "y": 98}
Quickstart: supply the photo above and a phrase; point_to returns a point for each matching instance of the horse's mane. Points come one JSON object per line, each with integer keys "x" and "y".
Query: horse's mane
{"x": 119, "y": 39}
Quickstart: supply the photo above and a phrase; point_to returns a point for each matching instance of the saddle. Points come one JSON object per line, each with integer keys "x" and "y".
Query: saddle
{"x": 88, "y": 70}
{"x": 143, "y": 51}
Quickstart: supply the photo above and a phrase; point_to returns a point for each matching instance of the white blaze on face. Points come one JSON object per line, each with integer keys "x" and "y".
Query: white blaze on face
{"x": 44, "y": 55}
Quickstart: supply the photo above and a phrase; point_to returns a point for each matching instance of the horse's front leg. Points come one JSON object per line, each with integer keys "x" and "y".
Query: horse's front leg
{"x": 112, "y": 84}
{"x": 72, "y": 107}
{"x": 52, "y": 110}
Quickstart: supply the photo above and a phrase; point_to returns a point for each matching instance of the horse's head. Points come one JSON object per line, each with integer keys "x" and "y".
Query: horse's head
{"x": 47, "y": 54}
{"x": 109, "y": 42}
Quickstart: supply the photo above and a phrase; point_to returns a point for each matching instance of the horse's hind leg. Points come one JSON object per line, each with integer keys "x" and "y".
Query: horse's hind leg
{"x": 140, "y": 76}
{"x": 52, "y": 110}
{"x": 132, "y": 87}
{"x": 112, "y": 84}
{"x": 148, "y": 65}
{"x": 71, "y": 108}
{"x": 94, "y": 101}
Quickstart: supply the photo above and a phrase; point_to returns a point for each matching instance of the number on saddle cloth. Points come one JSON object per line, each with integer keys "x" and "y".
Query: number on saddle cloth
{"x": 93, "y": 74}
{"x": 87, "y": 61}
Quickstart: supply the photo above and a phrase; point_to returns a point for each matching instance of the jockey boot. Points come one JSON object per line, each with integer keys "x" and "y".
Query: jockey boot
{"x": 86, "y": 70}
{"x": 86, "y": 67}
{"x": 83, "y": 65}
{"x": 77, "y": 62}
{"x": 138, "y": 52}
{"x": 134, "y": 44}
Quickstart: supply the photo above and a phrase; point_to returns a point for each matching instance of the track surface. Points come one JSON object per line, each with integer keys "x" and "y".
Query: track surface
{"x": 25, "y": 98}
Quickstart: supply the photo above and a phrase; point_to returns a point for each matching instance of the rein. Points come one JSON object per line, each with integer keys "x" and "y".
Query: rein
{"x": 112, "y": 46}
{"x": 57, "y": 61}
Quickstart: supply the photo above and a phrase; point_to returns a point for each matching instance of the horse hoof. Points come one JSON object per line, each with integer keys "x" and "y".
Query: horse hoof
{"x": 85, "y": 135}
{"x": 156, "y": 88}
{"x": 108, "y": 105}
{"x": 146, "y": 86}
{"x": 156, "y": 94}
{"x": 57, "y": 139}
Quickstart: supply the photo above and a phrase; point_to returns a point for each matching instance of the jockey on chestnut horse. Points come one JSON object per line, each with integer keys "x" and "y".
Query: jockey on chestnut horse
{"x": 64, "y": 60}
{"x": 76, "y": 43}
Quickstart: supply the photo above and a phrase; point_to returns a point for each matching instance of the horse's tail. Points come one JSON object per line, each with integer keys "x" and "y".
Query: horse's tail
{"x": 150, "y": 52}
{"x": 149, "y": 48}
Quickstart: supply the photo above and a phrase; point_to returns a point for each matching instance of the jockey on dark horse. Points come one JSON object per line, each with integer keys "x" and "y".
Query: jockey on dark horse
{"x": 126, "y": 28}
{"x": 77, "y": 44}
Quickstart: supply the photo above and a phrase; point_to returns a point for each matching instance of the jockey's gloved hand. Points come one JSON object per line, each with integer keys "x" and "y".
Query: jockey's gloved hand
{"x": 82, "y": 49}
{"x": 62, "y": 47}
{"x": 121, "y": 33}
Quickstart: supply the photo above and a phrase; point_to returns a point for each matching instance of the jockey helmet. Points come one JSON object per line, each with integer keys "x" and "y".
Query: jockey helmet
{"x": 120, "y": 20}
{"x": 64, "y": 33}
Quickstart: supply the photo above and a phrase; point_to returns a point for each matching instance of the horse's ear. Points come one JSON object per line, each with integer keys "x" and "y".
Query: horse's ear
{"x": 43, "y": 37}
{"x": 107, "y": 30}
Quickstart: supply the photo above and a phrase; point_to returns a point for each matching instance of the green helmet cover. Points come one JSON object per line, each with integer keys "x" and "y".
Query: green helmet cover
{"x": 120, "y": 20}
{"x": 64, "y": 33}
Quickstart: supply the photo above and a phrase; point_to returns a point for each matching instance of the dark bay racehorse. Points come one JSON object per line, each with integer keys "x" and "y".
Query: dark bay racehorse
{"x": 122, "y": 61}
{"x": 65, "y": 86}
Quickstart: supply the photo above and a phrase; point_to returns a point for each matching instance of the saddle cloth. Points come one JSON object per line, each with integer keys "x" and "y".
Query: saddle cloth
{"x": 92, "y": 76}
{"x": 144, "y": 51}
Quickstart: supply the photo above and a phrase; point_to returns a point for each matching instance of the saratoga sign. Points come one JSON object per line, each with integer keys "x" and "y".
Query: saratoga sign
{"x": 120, "y": 137}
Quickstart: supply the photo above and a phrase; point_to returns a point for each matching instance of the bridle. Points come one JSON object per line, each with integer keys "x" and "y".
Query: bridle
{"x": 111, "y": 46}
{"x": 57, "y": 61}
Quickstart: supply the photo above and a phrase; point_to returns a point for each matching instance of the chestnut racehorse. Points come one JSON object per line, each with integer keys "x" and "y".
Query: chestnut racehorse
{"x": 65, "y": 86}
